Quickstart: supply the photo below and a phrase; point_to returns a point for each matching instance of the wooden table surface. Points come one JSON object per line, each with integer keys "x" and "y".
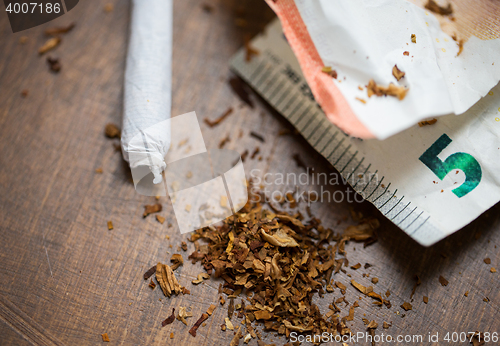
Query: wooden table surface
{"x": 65, "y": 278}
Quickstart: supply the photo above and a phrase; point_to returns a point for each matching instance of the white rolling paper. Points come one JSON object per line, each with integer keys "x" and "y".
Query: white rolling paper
{"x": 148, "y": 80}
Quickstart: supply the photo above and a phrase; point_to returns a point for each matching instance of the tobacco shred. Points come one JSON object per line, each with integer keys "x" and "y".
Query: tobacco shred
{"x": 167, "y": 280}
{"x": 198, "y": 323}
{"x": 397, "y": 73}
{"x": 177, "y": 261}
{"x": 169, "y": 319}
{"x": 110, "y": 225}
{"x": 407, "y": 306}
{"x": 183, "y": 314}
{"x": 54, "y": 64}
{"x": 257, "y": 136}
{"x": 406, "y": 53}
{"x": 413, "y": 38}
{"x": 217, "y": 121}
{"x": 487, "y": 260}
{"x": 432, "y": 6}
{"x": 426, "y": 299}
{"x": 152, "y": 285}
{"x": 59, "y": 30}
{"x": 150, "y": 272}
{"x": 201, "y": 277}
{"x": 255, "y": 152}
{"x": 236, "y": 339}
{"x": 211, "y": 309}
{"x": 112, "y": 131}
{"x": 478, "y": 339}
{"x": 328, "y": 70}
{"x": 249, "y": 50}
{"x": 223, "y": 142}
{"x": 443, "y": 281}
{"x": 427, "y": 122}
{"x": 391, "y": 90}
{"x": 150, "y": 209}
{"x": 50, "y": 44}
{"x": 105, "y": 337}
{"x": 417, "y": 282}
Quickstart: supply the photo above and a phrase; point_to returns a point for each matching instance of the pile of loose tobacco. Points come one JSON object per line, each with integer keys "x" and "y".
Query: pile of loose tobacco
{"x": 279, "y": 263}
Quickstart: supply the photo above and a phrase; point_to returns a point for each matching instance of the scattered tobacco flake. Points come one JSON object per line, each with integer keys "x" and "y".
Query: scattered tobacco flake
{"x": 460, "y": 44}
{"x": 356, "y": 266}
{"x": 426, "y": 299}
{"x": 406, "y": 53}
{"x": 397, "y": 73}
{"x": 391, "y": 90}
{"x": 152, "y": 284}
{"x": 167, "y": 280}
{"x": 360, "y": 100}
{"x": 184, "y": 246}
{"x": 183, "y": 314}
{"x": 223, "y": 142}
{"x": 375, "y": 280}
{"x": 207, "y": 7}
{"x": 407, "y": 306}
{"x": 110, "y": 225}
{"x": 255, "y": 152}
{"x": 386, "y": 325}
{"x": 160, "y": 219}
{"x": 177, "y": 261}
{"x": 417, "y": 283}
{"x": 198, "y": 323}
{"x": 24, "y": 93}
{"x": 372, "y": 325}
{"x": 211, "y": 309}
{"x": 217, "y": 121}
{"x": 328, "y": 70}
{"x": 487, "y": 260}
{"x": 50, "y": 44}
{"x": 59, "y": 30}
{"x": 427, "y": 122}
{"x": 150, "y": 209}
{"x": 249, "y": 50}
{"x": 367, "y": 265}
{"x": 298, "y": 160}
{"x": 257, "y": 136}
{"x": 443, "y": 281}
{"x": 466, "y": 293}
{"x": 112, "y": 131}
{"x": 171, "y": 335}
{"x": 413, "y": 38}
{"x": 477, "y": 339}
{"x": 105, "y": 337}
{"x": 150, "y": 272}
{"x": 230, "y": 309}
{"x": 201, "y": 277}
{"x": 229, "y": 324}
{"x": 99, "y": 170}
{"x": 54, "y": 64}
{"x": 493, "y": 270}
{"x": 23, "y": 39}
{"x": 169, "y": 319}
{"x": 244, "y": 155}
{"x": 241, "y": 89}
{"x": 432, "y": 6}
{"x": 236, "y": 339}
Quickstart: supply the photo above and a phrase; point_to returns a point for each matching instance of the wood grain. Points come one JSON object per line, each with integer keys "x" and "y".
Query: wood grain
{"x": 65, "y": 278}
